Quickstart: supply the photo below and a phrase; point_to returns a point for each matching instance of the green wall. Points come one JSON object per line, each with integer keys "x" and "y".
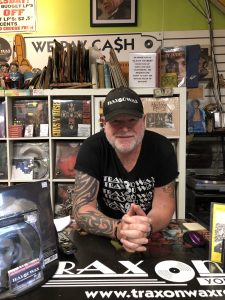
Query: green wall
{"x": 73, "y": 17}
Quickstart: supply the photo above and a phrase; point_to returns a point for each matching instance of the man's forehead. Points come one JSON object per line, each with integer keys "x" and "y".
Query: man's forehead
{"x": 124, "y": 117}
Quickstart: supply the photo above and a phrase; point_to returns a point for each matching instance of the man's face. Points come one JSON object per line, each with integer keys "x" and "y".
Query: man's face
{"x": 110, "y": 5}
{"x": 181, "y": 67}
{"x": 125, "y": 132}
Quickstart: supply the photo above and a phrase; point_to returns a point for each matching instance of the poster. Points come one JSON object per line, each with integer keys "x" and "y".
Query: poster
{"x": 17, "y": 16}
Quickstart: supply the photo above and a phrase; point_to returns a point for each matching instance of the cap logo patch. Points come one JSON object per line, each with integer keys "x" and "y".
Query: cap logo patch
{"x": 122, "y": 99}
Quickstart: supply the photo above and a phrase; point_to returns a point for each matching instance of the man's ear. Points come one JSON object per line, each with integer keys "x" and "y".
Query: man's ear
{"x": 103, "y": 121}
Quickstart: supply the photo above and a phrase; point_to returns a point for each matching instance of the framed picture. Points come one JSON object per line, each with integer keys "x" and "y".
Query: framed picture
{"x": 217, "y": 231}
{"x": 113, "y": 12}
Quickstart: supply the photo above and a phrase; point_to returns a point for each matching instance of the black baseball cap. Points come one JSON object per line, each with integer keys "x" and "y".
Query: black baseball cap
{"x": 122, "y": 100}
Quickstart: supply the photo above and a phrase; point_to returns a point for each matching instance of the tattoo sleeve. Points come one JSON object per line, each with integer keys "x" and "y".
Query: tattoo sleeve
{"x": 170, "y": 189}
{"x": 85, "y": 211}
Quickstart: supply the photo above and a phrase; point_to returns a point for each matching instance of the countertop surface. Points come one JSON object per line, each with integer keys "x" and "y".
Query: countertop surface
{"x": 101, "y": 269}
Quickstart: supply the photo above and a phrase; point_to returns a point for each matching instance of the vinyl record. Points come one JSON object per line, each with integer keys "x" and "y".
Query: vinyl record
{"x": 174, "y": 271}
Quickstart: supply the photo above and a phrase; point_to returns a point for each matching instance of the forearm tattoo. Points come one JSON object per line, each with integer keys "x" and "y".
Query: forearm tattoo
{"x": 170, "y": 189}
{"x": 93, "y": 221}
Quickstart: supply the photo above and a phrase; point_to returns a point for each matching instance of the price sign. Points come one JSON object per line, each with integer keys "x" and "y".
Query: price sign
{"x": 17, "y": 16}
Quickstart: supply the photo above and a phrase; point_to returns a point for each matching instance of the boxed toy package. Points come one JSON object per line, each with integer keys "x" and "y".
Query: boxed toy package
{"x": 28, "y": 241}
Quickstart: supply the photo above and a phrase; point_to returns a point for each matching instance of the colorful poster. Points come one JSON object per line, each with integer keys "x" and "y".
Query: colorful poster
{"x": 17, "y": 16}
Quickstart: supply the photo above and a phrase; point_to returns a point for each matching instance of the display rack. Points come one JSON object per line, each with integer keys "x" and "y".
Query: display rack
{"x": 94, "y": 95}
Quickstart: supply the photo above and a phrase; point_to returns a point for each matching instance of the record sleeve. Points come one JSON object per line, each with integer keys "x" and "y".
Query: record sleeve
{"x": 162, "y": 115}
{"x": 173, "y": 66}
{"x": 71, "y": 117}
{"x": 3, "y": 161}
{"x": 65, "y": 159}
{"x": 32, "y": 111}
{"x": 34, "y": 156}
{"x": 196, "y": 116}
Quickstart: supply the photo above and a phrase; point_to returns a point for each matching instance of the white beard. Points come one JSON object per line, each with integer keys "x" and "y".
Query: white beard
{"x": 125, "y": 147}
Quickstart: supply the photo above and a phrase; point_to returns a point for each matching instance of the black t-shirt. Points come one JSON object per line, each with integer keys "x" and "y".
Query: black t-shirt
{"x": 155, "y": 167}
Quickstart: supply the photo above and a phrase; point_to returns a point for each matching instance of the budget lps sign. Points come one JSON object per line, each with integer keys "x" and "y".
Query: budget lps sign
{"x": 17, "y": 16}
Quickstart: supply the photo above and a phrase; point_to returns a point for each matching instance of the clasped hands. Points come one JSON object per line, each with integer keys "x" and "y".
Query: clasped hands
{"x": 134, "y": 229}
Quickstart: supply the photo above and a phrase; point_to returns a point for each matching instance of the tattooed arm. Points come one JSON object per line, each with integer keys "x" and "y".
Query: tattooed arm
{"x": 85, "y": 211}
{"x": 163, "y": 206}
{"x": 134, "y": 227}
{"x": 137, "y": 225}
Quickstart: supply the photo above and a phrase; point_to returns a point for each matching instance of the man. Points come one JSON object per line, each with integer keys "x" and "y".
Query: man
{"x": 115, "y": 9}
{"x": 124, "y": 183}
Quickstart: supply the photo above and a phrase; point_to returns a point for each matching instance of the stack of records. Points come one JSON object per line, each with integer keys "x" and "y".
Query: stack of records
{"x": 117, "y": 76}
